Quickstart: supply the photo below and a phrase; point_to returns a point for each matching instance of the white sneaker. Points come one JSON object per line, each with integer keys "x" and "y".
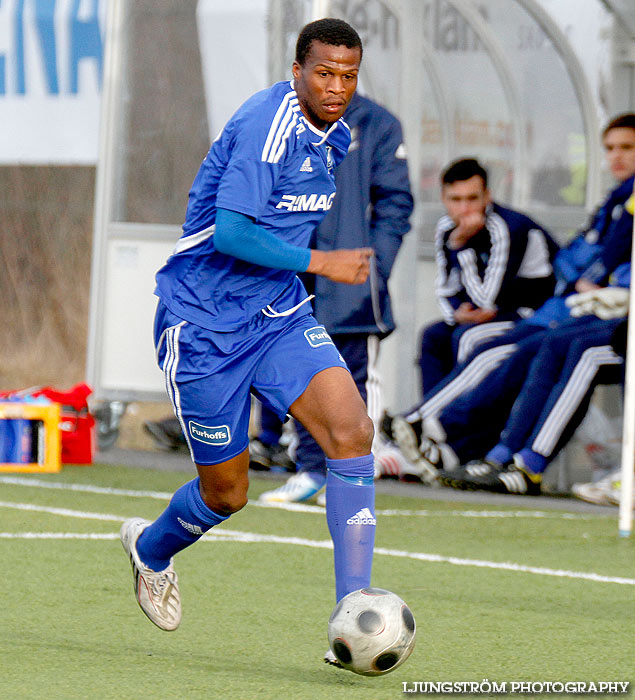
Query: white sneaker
{"x": 157, "y": 592}
{"x": 605, "y": 492}
{"x": 330, "y": 658}
{"x": 299, "y": 487}
{"x": 321, "y": 499}
{"x": 390, "y": 460}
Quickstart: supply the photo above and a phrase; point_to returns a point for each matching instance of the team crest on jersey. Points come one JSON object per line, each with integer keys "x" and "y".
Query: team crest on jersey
{"x": 217, "y": 435}
{"x": 329, "y": 159}
{"x": 318, "y": 336}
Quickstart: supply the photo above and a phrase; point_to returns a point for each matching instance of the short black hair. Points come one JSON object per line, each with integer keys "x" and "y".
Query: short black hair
{"x": 622, "y": 121}
{"x": 335, "y": 32}
{"x": 463, "y": 169}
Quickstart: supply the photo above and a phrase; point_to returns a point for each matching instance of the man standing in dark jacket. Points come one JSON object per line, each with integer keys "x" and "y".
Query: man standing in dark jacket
{"x": 372, "y": 208}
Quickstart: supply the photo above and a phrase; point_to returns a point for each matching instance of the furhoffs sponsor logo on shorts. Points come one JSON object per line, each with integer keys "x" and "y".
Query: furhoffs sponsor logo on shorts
{"x": 318, "y": 336}
{"x": 217, "y": 435}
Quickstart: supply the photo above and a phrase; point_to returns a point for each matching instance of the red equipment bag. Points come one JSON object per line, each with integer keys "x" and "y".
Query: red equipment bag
{"x": 77, "y": 425}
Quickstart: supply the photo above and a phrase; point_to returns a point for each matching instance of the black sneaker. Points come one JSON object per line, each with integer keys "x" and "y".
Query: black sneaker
{"x": 463, "y": 477}
{"x": 280, "y": 458}
{"x": 385, "y": 427}
{"x": 166, "y": 433}
{"x": 264, "y": 457}
{"x": 259, "y": 455}
{"x": 424, "y": 454}
{"x": 488, "y": 476}
{"x": 407, "y": 436}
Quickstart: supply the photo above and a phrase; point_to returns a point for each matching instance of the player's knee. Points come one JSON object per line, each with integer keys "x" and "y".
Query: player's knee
{"x": 354, "y": 435}
{"x": 225, "y": 499}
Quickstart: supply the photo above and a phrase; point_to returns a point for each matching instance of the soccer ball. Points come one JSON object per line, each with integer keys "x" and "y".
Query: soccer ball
{"x": 371, "y": 631}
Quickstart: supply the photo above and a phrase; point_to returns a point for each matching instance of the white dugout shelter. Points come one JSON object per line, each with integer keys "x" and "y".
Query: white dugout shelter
{"x": 524, "y": 85}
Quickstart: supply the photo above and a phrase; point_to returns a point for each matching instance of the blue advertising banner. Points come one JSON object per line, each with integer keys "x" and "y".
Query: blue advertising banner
{"x": 51, "y": 72}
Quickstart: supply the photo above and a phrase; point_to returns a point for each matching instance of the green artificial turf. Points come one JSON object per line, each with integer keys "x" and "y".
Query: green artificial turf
{"x": 255, "y": 613}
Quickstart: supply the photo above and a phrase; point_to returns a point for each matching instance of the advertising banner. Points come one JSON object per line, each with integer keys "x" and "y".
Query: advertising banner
{"x": 51, "y": 71}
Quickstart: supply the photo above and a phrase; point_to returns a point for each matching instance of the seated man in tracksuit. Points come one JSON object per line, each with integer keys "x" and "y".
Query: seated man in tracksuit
{"x": 541, "y": 413}
{"x": 585, "y": 264}
{"x": 494, "y": 266}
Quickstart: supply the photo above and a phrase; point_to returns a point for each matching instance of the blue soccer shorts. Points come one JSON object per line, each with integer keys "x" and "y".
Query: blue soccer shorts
{"x": 210, "y": 375}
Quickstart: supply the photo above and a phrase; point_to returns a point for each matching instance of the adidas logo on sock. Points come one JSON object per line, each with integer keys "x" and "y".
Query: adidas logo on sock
{"x": 362, "y": 517}
{"x": 194, "y": 529}
{"x": 306, "y": 166}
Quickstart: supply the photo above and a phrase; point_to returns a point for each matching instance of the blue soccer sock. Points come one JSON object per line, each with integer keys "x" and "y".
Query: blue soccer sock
{"x": 181, "y": 524}
{"x": 350, "y": 514}
{"x": 501, "y": 454}
{"x": 532, "y": 461}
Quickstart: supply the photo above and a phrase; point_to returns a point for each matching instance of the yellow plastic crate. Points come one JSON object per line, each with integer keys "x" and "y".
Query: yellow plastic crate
{"x": 49, "y": 414}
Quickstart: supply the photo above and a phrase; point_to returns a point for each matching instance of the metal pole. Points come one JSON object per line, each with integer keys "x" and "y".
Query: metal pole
{"x": 628, "y": 431}
{"x": 104, "y": 187}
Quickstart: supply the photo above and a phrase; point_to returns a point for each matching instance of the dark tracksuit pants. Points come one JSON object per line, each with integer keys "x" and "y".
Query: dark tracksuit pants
{"x": 515, "y": 402}
{"x": 440, "y": 345}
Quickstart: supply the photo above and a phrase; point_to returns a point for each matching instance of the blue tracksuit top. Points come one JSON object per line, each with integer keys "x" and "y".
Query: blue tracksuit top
{"x": 598, "y": 250}
{"x": 594, "y": 254}
{"x": 372, "y": 208}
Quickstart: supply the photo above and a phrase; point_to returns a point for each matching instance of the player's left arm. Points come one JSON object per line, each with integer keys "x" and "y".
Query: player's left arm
{"x": 391, "y": 198}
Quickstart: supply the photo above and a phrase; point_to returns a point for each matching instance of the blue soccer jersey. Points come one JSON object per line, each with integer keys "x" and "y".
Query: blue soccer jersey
{"x": 274, "y": 166}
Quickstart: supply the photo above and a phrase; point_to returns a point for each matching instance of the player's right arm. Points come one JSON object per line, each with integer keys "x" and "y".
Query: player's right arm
{"x": 348, "y": 266}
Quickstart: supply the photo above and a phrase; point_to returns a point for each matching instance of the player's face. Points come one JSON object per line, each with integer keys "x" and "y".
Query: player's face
{"x": 326, "y": 82}
{"x": 465, "y": 197}
{"x": 619, "y": 145}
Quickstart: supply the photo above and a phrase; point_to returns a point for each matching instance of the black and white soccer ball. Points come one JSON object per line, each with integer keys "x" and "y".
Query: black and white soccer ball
{"x": 371, "y": 631}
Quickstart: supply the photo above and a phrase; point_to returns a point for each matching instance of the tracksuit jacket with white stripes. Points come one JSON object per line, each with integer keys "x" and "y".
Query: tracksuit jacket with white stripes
{"x": 507, "y": 265}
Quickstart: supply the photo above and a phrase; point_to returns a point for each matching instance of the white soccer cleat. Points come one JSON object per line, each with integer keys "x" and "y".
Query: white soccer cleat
{"x": 605, "y": 492}
{"x": 157, "y": 592}
{"x": 330, "y": 658}
{"x": 299, "y": 487}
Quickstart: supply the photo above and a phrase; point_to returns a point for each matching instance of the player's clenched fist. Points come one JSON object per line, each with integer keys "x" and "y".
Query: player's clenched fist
{"x": 469, "y": 225}
{"x": 348, "y": 266}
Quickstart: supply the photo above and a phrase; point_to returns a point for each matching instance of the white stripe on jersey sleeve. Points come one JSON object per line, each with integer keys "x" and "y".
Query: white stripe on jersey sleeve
{"x": 283, "y": 122}
{"x": 282, "y": 109}
{"x": 283, "y": 140}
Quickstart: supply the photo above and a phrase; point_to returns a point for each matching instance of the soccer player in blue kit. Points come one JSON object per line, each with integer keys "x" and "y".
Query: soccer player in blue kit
{"x": 234, "y": 319}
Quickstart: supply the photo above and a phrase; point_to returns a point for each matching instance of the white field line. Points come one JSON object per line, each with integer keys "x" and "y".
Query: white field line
{"x": 221, "y": 534}
{"x": 82, "y": 488}
{"x": 64, "y": 512}
{"x": 299, "y": 507}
